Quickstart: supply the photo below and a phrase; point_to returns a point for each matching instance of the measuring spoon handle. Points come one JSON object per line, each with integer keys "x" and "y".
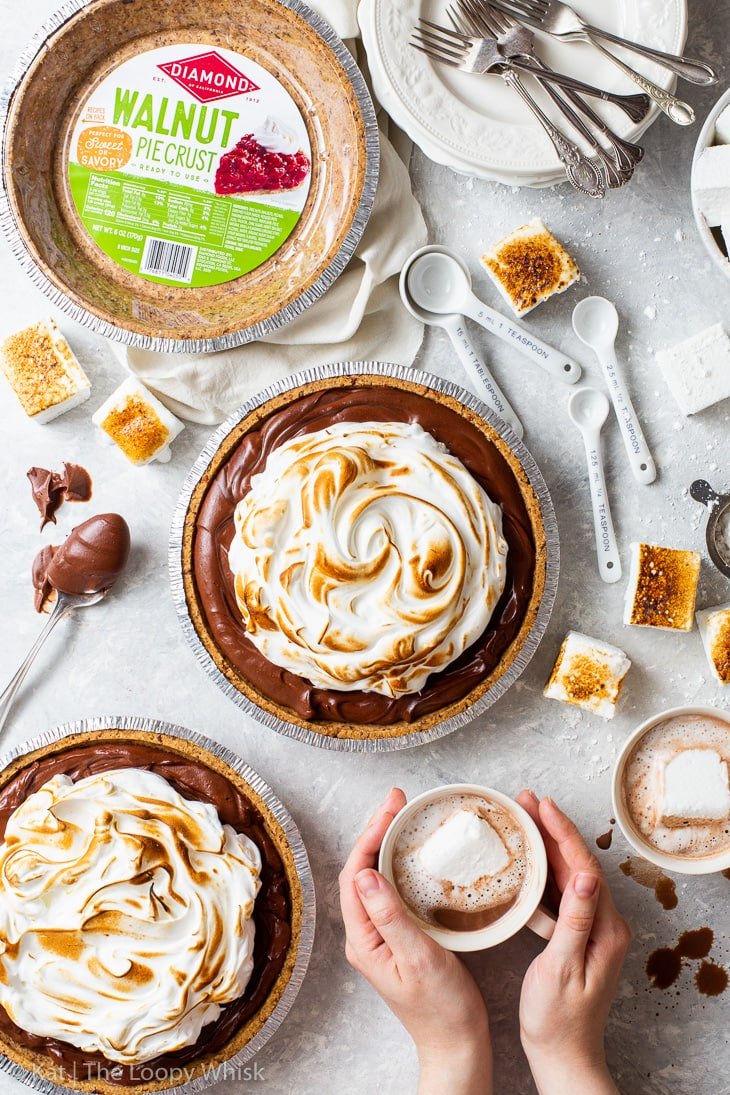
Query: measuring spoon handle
{"x": 485, "y": 386}
{"x": 609, "y": 560}
{"x": 555, "y": 363}
{"x": 641, "y": 461}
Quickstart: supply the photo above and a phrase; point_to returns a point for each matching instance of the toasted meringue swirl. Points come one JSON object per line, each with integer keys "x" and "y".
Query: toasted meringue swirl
{"x": 366, "y": 557}
{"x": 125, "y": 915}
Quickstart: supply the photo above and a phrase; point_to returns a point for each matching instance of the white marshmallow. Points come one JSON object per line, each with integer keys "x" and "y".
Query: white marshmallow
{"x": 711, "y": 182}
{"x": 722, "y": 127}
{"x": 697, "y": 371}
{"x": 695, "y": 787}
{"x": 714, "y": 625}
{"x": 133, "y": 393}
{"x": 463, "y": 850}
{"x": 588, "y": 674}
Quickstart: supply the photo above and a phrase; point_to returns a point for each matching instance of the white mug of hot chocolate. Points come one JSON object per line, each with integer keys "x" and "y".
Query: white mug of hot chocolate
{"x": 470, "y": 866}
{"x": 671, "y": 796}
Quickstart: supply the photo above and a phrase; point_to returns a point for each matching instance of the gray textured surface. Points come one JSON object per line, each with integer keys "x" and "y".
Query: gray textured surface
{"x": 128, "y": 656}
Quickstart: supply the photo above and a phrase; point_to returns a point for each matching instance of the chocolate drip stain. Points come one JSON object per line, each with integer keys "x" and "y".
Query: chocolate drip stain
{"x": 605, "y": 840}
{"x": 711, "y": 979}
{"x": 664, "y": 965}
{"x": 695, "y": 944}
{"x": 272, "y": 910}
{"x": 648, "y": 875}
{"x": 214, "y": 530}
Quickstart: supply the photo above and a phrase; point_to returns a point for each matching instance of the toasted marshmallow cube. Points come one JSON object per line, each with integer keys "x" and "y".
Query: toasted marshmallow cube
{"x": 711, "y": 183}
{"x": 697, "y": 371}
{"x": 134, "y": 420}
{"x": 662, "y": 587}
{"x": 529, "y": 266}
{"x": 714, "y": 625}
{"x": 43, "y": 371}
{"x": 588, "y": 674}
{"x": 722, "y": 127}
{"x": 695, "y": 788}
{"x": 463, "y": 850}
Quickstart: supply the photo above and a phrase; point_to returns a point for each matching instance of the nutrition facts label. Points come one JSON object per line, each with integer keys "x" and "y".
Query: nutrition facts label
{"x": 210, "y": 240}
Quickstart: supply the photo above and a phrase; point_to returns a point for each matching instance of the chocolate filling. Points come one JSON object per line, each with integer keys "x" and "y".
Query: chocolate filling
{"x": 272, "y": 911}
{"x": 214, "y": 530}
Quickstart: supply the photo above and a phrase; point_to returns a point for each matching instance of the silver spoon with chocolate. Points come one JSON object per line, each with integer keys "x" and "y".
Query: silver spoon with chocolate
{"x": 80, "y": 572}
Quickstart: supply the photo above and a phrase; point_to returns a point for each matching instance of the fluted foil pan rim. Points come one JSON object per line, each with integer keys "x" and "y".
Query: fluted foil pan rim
{"x": 300, "y": 731}
{"x": 99, "y": 723}
{"x": 256, "y": 332}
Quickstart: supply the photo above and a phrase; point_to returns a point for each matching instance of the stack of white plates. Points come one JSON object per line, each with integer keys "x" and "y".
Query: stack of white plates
{"x": 476, "y": 124}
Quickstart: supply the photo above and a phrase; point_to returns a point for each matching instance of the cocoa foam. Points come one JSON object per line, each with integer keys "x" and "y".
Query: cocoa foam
{"x": 642, "y": 785}
{"x": 460, "y": 908}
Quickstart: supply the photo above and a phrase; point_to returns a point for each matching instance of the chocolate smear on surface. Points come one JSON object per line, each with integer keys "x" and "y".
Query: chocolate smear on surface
{"x": 650, "y": 876}
{"x": 51, "y": 489}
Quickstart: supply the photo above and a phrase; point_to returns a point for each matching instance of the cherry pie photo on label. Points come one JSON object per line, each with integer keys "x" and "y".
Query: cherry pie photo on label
{"x": 189, "y": 165}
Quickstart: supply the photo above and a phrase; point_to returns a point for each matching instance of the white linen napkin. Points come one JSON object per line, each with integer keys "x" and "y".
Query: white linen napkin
{"x": 360, "y": 318}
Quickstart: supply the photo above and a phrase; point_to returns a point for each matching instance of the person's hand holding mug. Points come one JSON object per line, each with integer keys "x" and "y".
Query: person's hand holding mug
{"x": 569, "y": 988}
{"x": 428, "y": 988}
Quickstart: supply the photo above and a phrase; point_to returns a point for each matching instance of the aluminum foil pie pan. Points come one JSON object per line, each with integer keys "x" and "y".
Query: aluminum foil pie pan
{"x": 116, "y": 123}
{"x": 226, "y": 1069}
{"x": 301, "y": 730}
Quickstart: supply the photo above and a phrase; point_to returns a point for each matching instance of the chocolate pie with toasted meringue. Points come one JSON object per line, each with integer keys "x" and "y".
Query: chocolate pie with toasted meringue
{"x": 365, "y": 556}
{"x": 150, "y": 911}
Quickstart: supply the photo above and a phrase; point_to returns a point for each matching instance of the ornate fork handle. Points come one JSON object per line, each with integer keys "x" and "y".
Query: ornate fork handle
{"x": 615, "y": 172}
{"x": 680, "y": 112}
{"x": 581, "y": 172}
{"x": 636, "y": 107}
{"x": 627, "y": 155}
{"x": 696, "y": 72}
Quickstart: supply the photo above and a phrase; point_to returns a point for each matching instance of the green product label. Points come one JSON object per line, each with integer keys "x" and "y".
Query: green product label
{"x": 189, "y": 168}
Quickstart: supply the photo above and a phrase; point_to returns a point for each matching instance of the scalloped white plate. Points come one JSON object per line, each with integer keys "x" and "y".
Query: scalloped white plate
{"x": 476, "y": 124}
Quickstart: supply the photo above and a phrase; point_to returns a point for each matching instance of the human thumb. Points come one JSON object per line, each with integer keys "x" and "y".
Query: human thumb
{"x": 577, "y": 912}
{"x": 386, "y": 911}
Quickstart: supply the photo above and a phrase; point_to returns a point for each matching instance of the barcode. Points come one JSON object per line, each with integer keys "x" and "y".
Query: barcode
{"x": 175, "y": 261}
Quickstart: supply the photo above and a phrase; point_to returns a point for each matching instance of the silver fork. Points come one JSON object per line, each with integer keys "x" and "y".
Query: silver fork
{"x": 557, "y": 19}
{"x": 515, "y": 39}
{"x": 483, "y": 55}
{"x": 567, "y": 24}
{"x": 475, "y": 54}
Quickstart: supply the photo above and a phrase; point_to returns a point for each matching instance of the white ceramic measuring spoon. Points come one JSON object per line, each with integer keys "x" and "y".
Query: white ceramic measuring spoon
{"x": 589, "y": 409}
{"x": 440, "y": 282}
{"x": 485, "y": 386}
{"x": 595, "y": 321}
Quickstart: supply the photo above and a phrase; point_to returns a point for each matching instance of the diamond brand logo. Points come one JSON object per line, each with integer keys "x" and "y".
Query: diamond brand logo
{"x": 208, "y": 77}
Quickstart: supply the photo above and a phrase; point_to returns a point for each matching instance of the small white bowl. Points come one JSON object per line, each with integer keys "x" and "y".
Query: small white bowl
{"x": 706, "y": 139}
{"x": 710, "y": 864}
